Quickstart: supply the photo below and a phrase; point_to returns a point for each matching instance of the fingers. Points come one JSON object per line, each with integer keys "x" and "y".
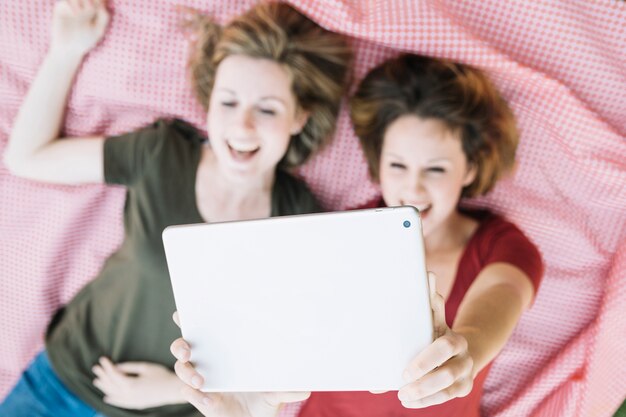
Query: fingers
{"x": 184, "y": 370}
{"x": 188, "y": 374}
{"x": 75, "y": 5}
{"x": 100, "y": 385}
{"x": 378, "y": 392}
{"x": 432, "y": 283}
{"x": 102, "y": 18}
{"x": 205, "y": 403}
{"x": 452, "y": 372}
{"x": 277, "y": 398}
{"x": 440, "y": 351}
{"x": 114, "y": 375}
{"x": 137, "y": 368}
{"x": 180, "y": 349}
{"x": 102, "y": 381}
{"x": 461, "y": 388}
{"x": 87, "y": 8}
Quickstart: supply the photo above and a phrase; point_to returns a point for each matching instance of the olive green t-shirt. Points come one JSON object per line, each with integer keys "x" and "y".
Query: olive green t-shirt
{"x": 126, "y": 312}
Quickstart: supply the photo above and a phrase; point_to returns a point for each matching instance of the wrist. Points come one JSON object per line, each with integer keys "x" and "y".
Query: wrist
{"x": 65, "y": 55}
{"x": 175, "y": 389}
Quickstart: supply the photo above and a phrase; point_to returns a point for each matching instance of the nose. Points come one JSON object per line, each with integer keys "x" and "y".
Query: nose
{"x": 417, "y": 185}
{"x": 415, "y": 190}
{"x": 244, "y": 119}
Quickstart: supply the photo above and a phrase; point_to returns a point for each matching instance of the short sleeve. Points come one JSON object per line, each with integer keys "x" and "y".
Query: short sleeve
{"x": 508, "y": 244}
{"x": 127, "y": 156}
{"x": 292, "y": 196}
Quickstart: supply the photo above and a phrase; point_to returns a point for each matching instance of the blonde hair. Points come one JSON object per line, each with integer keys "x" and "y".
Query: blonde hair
{"x": 458, "y": 95}
{"x": 316, "y": 59}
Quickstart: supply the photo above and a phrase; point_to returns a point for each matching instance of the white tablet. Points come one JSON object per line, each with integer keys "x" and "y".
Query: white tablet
{"x": 321, "y": 302}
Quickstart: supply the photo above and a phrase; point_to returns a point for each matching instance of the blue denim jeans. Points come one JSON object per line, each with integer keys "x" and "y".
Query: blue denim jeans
{"x": 40, "y": 393}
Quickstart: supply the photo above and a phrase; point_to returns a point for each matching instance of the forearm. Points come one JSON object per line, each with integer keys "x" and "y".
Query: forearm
{"x": 488, "y": 323}
{"x": 39, "y": 119}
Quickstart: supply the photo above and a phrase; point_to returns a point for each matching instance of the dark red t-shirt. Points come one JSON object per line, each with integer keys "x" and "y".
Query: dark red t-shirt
{"x": 495, "y": 240}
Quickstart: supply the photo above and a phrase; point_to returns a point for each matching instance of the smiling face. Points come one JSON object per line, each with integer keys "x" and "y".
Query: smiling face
{"x": 422, "y": 164}
{"x": 252, "y": 115}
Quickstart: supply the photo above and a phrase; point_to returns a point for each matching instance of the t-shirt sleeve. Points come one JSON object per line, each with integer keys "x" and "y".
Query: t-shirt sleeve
{"x": 127, "y": 156}
{"x": 292, "y": 196}
{"x": 508, "y": 244}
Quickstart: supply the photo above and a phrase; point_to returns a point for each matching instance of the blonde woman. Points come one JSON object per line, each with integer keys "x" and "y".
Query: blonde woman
{"x": 271, "y": 81}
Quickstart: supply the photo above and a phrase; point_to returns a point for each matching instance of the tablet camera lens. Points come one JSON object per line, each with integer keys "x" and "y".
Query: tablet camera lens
{"x": 407, "y": 224}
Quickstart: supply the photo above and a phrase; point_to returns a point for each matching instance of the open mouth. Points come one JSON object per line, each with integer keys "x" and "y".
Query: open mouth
{"x": 242, "y": 154}
{"x": 422, "y": 208}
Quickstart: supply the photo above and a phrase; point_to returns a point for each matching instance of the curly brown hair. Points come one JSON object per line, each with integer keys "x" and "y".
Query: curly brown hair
{"x": 460, "y": 96}
{"x": 316, "y": 59}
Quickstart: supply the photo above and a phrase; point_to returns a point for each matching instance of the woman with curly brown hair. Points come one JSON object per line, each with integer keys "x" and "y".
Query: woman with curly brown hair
{"x": 271, "y": 81}
{"x": 435, "y": 131}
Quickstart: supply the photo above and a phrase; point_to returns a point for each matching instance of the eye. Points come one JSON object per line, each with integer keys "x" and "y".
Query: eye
{"x": 397, "y": 165}
{"x": 436, "y": 170}
{"x": 229, "y": 103}
{"x": 267, "y": 112}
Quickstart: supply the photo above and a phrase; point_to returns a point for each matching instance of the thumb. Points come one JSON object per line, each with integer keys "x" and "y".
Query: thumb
{"x": 176, "y": 318}
{"x": 437, "y": 305}
{"x": 101, "y": 21}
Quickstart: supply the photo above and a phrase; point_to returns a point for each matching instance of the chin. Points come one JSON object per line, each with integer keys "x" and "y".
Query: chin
{"x": 242, "y": 174}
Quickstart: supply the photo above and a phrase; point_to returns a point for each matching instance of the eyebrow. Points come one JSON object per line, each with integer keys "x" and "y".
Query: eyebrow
{"x": 228, "y": 90}
{"x": 442, "y": 159}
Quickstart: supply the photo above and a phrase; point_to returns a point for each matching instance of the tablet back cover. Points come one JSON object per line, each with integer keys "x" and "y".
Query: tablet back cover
{"x": 322, "y": 302}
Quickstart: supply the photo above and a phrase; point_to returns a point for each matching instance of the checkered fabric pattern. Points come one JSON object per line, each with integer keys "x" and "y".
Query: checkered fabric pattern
{"x": 560, "y": 64}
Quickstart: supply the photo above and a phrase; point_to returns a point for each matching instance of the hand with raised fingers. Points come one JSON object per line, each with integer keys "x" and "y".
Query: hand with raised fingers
{"x": 253, "y": 404}
{"x": 78, "y": 25}
{"x": 137, "y": 385}
{"x": 443, "y": 370}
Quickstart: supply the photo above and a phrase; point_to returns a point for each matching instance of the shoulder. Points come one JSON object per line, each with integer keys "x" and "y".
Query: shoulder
{"x": 161, "y": 131}
{"x": 181, "y": 129}
{"x": 499, "y": 240}
{"x": 496, "y": 228}
{"x": 162, "y": 137}
{"x": 127, "y": 157}
{"x": 175, "y": 132}
{"x": 292, "y": 196}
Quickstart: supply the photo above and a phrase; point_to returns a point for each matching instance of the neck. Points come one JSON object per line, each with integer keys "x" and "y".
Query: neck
{"x": 450, "y": 235}
{"x": 235, "y": 191}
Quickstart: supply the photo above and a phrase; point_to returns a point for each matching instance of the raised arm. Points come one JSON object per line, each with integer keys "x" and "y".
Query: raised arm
{"x": 491, "y": 309}
{"x": 33, "y": 150}
{"x": 486, "y": 318}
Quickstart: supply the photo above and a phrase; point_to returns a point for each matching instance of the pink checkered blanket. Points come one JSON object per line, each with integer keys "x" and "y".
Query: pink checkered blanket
{"x": 560, "y": 64}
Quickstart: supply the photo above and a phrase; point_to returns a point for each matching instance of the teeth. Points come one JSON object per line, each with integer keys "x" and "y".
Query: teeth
{"x": 242, "y": 149}
{"x": 420, "y": 207}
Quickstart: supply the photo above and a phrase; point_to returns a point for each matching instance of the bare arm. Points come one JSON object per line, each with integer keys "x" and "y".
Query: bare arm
{"x": 490, "y": 311}
{"x": 488, "y": 314}
{"x": 33, "y": 150}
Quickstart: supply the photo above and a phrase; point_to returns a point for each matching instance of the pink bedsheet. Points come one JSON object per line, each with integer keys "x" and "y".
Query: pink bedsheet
{"x": 561, "y": 65}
